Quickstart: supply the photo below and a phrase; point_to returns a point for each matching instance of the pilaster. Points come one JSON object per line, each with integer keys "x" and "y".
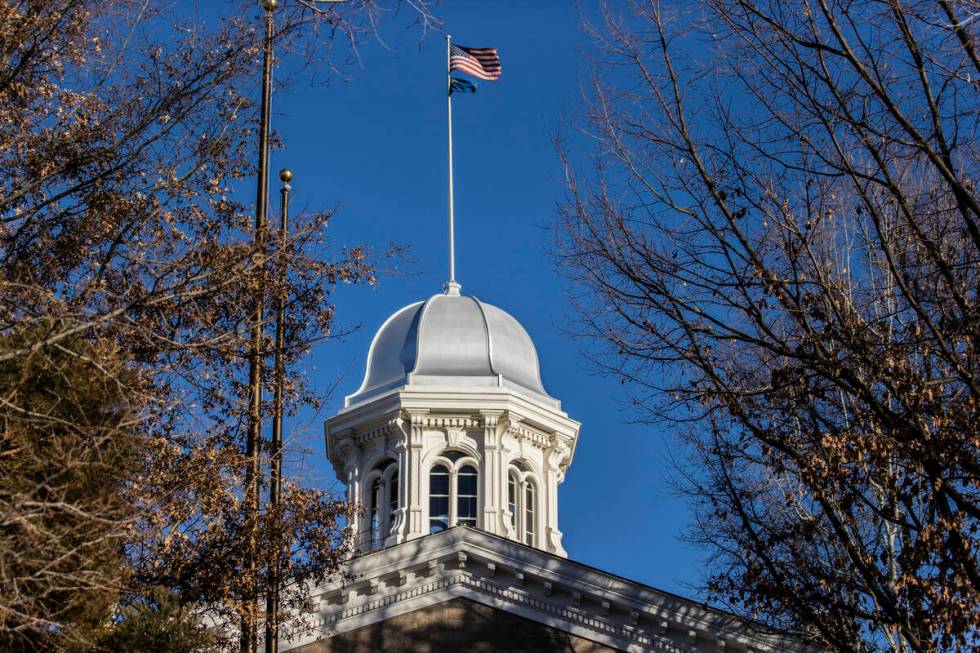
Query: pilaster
{"x": 415, "y": 427}
{"x": 494, "y": 492}
{"x": 557, "y": 460}
{"x": 497, "y": 429}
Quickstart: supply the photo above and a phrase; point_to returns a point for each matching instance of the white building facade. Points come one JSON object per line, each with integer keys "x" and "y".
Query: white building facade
{"x": 452, "y": 426}
{"x": 454, "y": 452}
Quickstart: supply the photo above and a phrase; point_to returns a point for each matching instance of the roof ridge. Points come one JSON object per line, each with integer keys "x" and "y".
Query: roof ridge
{"x": 486, "y": 327}
{"x": 418, "y": 332}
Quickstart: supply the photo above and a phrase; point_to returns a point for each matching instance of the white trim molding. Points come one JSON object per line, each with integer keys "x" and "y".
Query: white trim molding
{"x": 494, "y": 571}
{"x": 492, "y": 427}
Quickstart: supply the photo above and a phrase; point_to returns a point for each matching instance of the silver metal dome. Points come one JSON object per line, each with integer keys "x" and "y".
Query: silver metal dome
{"x": 452, "y": 340}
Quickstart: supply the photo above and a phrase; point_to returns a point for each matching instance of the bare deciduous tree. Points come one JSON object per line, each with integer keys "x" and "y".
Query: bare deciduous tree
{"x": 127, "y": 273}
{"x": 778, "y": 247}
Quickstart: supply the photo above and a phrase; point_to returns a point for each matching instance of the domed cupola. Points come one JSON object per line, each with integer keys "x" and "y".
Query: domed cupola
{"x": 453, "y": 340}
{"x": 452, "y": 427}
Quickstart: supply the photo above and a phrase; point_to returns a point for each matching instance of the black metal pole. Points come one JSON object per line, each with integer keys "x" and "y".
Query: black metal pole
{"x": 249, "y": 633}
{"x": 275, "y": 473}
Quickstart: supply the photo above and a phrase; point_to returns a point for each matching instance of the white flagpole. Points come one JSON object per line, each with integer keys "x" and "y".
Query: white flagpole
{"x": 449, "y": 105}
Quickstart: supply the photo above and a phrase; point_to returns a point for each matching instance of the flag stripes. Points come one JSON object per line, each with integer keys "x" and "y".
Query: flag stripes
{"x": 482, "y": 63}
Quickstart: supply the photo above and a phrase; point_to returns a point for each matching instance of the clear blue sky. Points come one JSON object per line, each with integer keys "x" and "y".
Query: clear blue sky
{"x": 375, "y": 147}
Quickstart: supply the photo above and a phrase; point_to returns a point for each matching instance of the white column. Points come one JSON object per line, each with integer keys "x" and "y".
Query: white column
{"x": 400, "y": 528}
{"x": 352, "y": 472}
{"x": 508, "y": 523}
{"x": 555, "y": 459}
{"x": 415, "y": 432}
{"x": 491, "y": 472}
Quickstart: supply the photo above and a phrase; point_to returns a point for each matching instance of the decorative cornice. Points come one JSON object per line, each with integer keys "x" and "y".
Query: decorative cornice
{"x": 377, "y": 431}
{"x": 454, "y": 397}
{"x": 442, "y": 421}
{"x": 559, "y": 593}
{"x": 521, "y": 432}
{"x": 512, "y": 595}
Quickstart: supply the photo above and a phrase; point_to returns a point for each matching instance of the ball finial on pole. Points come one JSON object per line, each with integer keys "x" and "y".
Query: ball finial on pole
{"x": 286, "y": 175}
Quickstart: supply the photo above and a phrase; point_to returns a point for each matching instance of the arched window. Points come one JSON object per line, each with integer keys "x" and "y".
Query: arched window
{"x": 453, "y": 456}
{"x": 466, "y": 496}
{"x": 382, "y": 502}
{"x": 392, "y": 498}
{"x": 522, "y": 502}
{"x": 529, "y": 503}
{"x": 454, "y": 496}
{"x": 512, "y": 484}
{"x": 374, "y": 511}
{"x": 438, "y": 498}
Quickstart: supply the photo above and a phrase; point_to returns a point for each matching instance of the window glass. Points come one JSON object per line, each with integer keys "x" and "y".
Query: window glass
{"x": 375, "y": 513}
{"x": 466, "y": 482}
{"x": 512, "y": 498}
{"x": 453, "y": 455}
{"x": 384, "y": 464}
{"x": 392, "y": 499}
{"x": 439, "y": 481}
{"x": 438, "y": 499}
{"x": 529, "y": 514}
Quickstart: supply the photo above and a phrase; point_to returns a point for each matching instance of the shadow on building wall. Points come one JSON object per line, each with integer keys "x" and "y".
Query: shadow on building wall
{"x": 456, "y": 625}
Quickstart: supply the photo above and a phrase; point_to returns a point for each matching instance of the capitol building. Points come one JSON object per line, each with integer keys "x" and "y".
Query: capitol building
{"x": 454, "y": 453}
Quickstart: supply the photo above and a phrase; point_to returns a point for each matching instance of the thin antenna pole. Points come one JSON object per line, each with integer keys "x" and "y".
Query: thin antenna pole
{"x": 449, "y": 107}
{"x": 253, "y": 444}
{"x": 275, "y": 471}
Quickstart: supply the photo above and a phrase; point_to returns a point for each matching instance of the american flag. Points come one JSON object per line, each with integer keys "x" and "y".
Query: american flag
{"x": 479, "y": 62}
